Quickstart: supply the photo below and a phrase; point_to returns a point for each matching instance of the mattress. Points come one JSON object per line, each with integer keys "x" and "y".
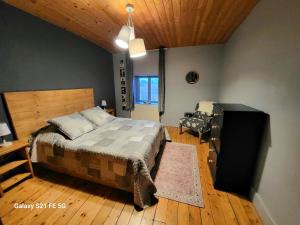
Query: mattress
{"x": 120, "y": 154}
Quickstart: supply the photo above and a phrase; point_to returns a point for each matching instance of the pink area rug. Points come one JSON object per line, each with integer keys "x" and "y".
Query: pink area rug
{"x": 178, "y": 177}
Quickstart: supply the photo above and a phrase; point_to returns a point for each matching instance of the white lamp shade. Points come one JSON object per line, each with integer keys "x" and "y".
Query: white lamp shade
{"x": 4, "y": 130}
{"x": 123, "y": 37}
{"x": 137, "y": 48}
{"x": 103, "y": 103}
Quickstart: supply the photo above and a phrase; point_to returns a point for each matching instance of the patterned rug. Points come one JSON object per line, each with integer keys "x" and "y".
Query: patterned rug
{"x": 177, "y": 176}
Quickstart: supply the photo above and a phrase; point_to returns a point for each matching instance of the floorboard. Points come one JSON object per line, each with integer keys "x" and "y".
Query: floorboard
{"x": 89, "y": 203}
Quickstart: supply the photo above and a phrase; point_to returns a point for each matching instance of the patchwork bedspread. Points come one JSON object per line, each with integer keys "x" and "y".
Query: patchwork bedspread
{"x": 120, "y": 154}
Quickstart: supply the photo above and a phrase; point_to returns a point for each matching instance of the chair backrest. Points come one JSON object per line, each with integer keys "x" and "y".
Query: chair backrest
{"x": 205, "y": 106}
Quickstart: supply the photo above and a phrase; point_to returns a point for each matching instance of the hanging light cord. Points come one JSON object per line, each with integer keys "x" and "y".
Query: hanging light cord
{"x": 130, "y": 21}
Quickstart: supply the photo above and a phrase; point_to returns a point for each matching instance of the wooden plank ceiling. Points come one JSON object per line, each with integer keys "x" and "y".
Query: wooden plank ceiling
{"x": 169, "y": 23}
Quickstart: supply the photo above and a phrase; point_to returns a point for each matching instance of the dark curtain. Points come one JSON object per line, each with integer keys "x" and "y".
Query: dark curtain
{"x": 161, "y": 74}
{"x": 129, "y": 83}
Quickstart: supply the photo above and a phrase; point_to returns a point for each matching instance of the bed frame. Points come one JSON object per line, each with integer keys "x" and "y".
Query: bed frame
{"x": 30, "y": 110}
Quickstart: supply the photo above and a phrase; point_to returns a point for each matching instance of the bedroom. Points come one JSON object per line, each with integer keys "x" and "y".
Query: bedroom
{"x": 60, "y": 57}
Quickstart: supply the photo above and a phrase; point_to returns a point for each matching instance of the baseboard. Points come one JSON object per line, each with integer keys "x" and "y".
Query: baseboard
{"x": 263, "y": 210}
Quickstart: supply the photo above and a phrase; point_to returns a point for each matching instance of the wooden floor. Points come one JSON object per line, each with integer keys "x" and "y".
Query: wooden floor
{"x": 88, "y": 203}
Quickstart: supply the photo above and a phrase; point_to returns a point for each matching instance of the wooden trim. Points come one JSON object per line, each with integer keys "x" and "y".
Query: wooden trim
{"x": 30, "y": 110}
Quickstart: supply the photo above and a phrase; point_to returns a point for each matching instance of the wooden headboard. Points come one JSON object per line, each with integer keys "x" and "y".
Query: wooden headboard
{"x": 30, "y": 110}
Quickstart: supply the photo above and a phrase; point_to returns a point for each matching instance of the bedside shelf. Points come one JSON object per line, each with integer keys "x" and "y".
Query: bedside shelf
{"x": 12, "y": 165}
{"x": 111, "y": 111}
{"x": 12, "y": 148}
{"x": 14, "y": 156}
{"x": 13, "y": 180}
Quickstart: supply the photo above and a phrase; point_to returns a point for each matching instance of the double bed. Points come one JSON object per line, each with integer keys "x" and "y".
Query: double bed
{"x": 119, "y": 152}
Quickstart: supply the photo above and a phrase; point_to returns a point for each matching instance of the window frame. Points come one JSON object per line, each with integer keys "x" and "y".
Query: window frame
{"x": 137, "y": 99}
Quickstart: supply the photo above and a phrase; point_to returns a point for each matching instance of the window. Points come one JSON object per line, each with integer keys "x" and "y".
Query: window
{"x": 146, "y": 89}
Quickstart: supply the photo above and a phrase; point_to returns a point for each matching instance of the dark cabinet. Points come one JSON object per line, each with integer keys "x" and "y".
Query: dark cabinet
{"x": 236, "y": 135}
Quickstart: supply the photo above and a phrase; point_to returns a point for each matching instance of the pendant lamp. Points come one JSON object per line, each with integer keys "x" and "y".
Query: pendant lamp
{"x": 137, "y": 48}
{"x": 126, "y": 37}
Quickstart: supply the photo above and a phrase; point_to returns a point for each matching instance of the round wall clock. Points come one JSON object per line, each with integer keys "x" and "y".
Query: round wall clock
{"x": 192, "y": 77}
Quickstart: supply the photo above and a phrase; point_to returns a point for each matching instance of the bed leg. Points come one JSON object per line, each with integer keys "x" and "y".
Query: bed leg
{"x": 200, "y": 136}
{"x": 180, "y": 129}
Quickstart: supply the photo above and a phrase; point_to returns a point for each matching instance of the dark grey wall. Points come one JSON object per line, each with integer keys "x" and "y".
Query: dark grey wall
{"x": 35, "y": 55}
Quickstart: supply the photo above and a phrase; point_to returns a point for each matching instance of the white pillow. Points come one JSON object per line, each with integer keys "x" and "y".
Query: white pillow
{"x": 97, "y": 115}
{"x": 72, "y": 125}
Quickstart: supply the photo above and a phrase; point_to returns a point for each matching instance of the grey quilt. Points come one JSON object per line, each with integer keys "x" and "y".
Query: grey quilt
{"x": 120, "y": 153}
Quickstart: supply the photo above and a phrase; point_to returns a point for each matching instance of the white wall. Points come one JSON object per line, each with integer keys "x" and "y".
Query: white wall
{"x": 147, "y": 64}
{"x": 182, "y": 97}
{"x": 262, "y": 69}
